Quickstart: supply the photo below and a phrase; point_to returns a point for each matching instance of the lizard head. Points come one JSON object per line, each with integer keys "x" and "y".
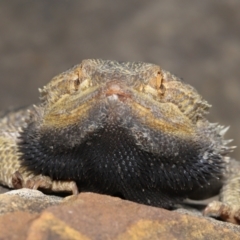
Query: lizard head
{"x": 145, "y": 88}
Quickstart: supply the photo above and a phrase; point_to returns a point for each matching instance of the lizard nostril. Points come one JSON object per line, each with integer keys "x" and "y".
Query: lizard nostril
{"x": 116, "y": 89}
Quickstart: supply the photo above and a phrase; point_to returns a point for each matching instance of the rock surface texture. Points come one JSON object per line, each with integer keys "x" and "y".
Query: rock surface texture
{"x": 93, "y": 216}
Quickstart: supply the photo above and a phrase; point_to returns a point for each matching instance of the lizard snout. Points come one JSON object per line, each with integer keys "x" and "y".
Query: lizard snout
{"x": 116, "y": 91}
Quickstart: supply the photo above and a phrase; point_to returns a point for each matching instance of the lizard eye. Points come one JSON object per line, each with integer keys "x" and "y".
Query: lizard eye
{"x": 162, "y": 89}
{"x": 76, "y": 84}
{"x": 160, "y": 83}
{"x": 155, "y": 86}
{"x": 73, "y": 85}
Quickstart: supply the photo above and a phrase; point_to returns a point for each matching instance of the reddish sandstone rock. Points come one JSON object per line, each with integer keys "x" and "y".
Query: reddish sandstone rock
{"x": 26, "y": 200}
{"x": 15, "y": 225}
{"x": 93, "y": 216}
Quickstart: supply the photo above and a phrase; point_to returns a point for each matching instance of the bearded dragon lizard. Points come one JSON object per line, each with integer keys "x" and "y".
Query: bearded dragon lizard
{"x": 127, "y": 129}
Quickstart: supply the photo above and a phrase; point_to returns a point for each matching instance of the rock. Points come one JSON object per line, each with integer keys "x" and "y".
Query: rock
{"x": 15, "y": 225}
{"x": 26, "y": 200}
{"x": 95, "y": 216}
{"x": 3, "y": 189}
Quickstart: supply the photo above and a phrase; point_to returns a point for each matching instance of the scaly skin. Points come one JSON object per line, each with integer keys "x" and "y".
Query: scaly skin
{"x": 126, "y": 129}
{"x": 12, "y": 174}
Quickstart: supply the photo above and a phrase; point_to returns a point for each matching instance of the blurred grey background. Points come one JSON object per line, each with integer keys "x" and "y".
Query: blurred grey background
{"x": 196, "y": 40}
